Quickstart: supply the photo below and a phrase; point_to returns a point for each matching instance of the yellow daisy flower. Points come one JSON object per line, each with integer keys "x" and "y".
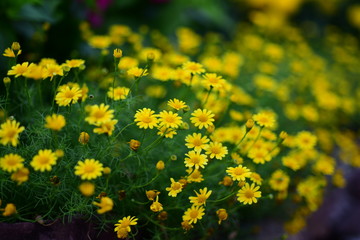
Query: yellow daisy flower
{"x": 106, "y": 204}
{"x": 9, "y": 132}
{"x": 216, "y": 150}
{"x": 118, "y": 93}
{"x": 196, "y": 141}
{"x": 195, "y": 176}
{"x": 9, "y": 210}
{"x": 125, "y": 223}
{"x": 68, "y": 95}
{"x": 202, "y": 118}
{"x": 174, "y": 188}
{"x": 52, "y": 70}
{"x": 193, "y": 67}
{"x": 259, "y": 155}
{"x": 167, "y": 132}
{"x": 34, "y": 71}
{"x": 213, "y": 80}
{"x": 137, "y": 72}
{"x": 98, "y": 115}
{"x": 89, "y": 169}
{"x": 11, "y": 162}
{"x": 22, "y": 175}
{"x": 195, "y": 159}
{"x": 264, "y": 119}
{"x": 248, "y": 194}
{"x": 169, "y": 119}
{"x": 9, "y": 53}
{"x": 43, "y": 160}
{"x": 305, "y": 140}
{"x": 75, "y": 63}
{"x": 256, "y": 178}
{"x": 106, "y": 127}
{"x": 19, "y": 69}
{"x": 279, "y": 180}
{"x": 238, "y": 173}
{"x": 193, "y": 214}
{"x": 177, "y": 104}
{"x": 55, "y": 122}
{"x": 201, "y": 197}
{"x": 146, "y": 118}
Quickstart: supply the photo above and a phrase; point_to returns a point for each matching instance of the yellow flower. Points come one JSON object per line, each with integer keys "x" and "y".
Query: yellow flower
{"x": 305, "y": 140}
{"x": 84, "y": 138}
{"x": 193, "y": 67}
{"x": 169, "y": 119}
{"x": 264, "y": 119}
{"x": 160, "y": 165}
{"x": 9, "y": 53}
{"x": 100, "y": 42}
{"x": 52, "y": 70}
{"x": 186, "y": 225}
{"x": 152, "y": 194}
{"x": 134, "y": 144}
{"x": 259, "y": 155}
{"x": 222, "y": 215}
{"x": 227, "y": 181}
{"x": 11, "y": 162}
{"x": 213, "y": 80}
{"x": 202, "y": 118}
{"x": 43, "y": 160}
{"x": 216, "y": 150}
{"x": 87, "y": 189}
{"x": 127, "y": 63}
{"x": 201, "y": 197}
{"x": 118, "y": 93}
{"x": 9, "y": 210}
{"x": 19, "y": 69}
{"x": 75, "y": 63}
{"x": 89, "y": 169}
{"x": 177, "y": 104}
{"x": 193, "y": 214}
{"x": 68, "y": 95}
{"x": 98, "y": 114}
{"x": 137, "y": 72}
{"x": 248, "y": 194}
{"x": 196, "y": 141}
{"x": 174, "y": 188}
{"x": 279, "y": 180}
{"x": 256, "y": 178}
{"x": 106, "y": 127}
{"x": 156, "y": 206}
{"x": 106, "y": 204}
{"x": 195, "y": 159}
{"x": 146, "y": 118}
{"x": 195, "y": 176}
{"x": 117, "y": 53}
{"x": 34, "y": 71}
{"x": 55, "y": 122}
{"x": 9, "y": 132}
{"x": 238, "y": 173}
{"x": 22, "y": 175}
{"x": 125, "y": 223}
{"x": 167, "y": 132}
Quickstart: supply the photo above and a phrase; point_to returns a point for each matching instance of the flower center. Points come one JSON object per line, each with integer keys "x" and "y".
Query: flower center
{"x": 99, "y": 114}
{"x": 11, "y": 133}
{"x": 249, "y": 194}
{"x": 69, "y": 94}
{"x": 194, "y": 214}
{"x": 203, "y": 118}
{"x": 239, "y": 171}
{"x": 146, "y": 119}
{"x": 176, "y": 186}
{"x": 89, "y": 169}
{"x": 44, "y": 160}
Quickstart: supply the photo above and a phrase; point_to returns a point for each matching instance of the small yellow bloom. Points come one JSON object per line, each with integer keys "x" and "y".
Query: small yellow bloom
{"x": 11, "y": 162}
{"x": 193, "y": 214}
{"x": 19, "y": 69}
{"x": 89, "y": 169}
{"x": 9, "y": 210}
{"x": 106, "y": 204}
{"x": 134, "y": 144}
{"x": 174, "y": 188}
{"x": 44, "y": 160}
{"x": 202, "y": 118}
{"x": 222, "y": 215}
{"x": 87, "y": 189}
{"x": 249, "y": 194}
{"x": 55, "y": 122}
{"x": 117, "y": 53}
{"x": 22, "y": 175}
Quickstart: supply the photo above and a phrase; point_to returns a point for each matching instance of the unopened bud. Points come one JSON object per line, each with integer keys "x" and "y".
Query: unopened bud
{"x": 6, "y": 81}
{"x": 15, "y": 46}
{"x": 249, "y": 124}
{"x": 117, "y": 53}
{"x": 283, "y": 135}
{"x": 84, "y": 138}
{"x": 134, "y": 144}
{"x": 160, "y": 165}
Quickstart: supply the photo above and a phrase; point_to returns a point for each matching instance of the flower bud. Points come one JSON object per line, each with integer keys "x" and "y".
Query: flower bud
{"x": 117, "y": 53}
{"x": 249, "y": 124}
{"x": 15, "y": 46}
{"x": 156, "y": 206}
{"x": 84, "y": 138}
{"x": 162, "y": 216}
{"x": 222, "y": 214}
{"x": 152, "y": 194}
{"x": 283, "y": 135}
{"x": 134, "y": 144}
{"x": 160, "y": 165}
{"x": 107, "y": 170}
{"x": 6, "y": 81}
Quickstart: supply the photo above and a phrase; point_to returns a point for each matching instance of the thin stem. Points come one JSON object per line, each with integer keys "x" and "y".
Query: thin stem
{"x": 224, "y": 198}
{"x": 207, "y": 96}
{"x": 148, "y": 183}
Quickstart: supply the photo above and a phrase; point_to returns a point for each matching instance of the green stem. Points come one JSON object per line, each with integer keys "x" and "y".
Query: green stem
{"x": 207, "y": 96}
{"x": 257, "y": 138}
{"x": 148, "y": 183}
{"x": 153, "y": 144}
{"x": 124, "y": 129}
{"x": 224, "y": 198}
{"x": 27, "y": 92}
